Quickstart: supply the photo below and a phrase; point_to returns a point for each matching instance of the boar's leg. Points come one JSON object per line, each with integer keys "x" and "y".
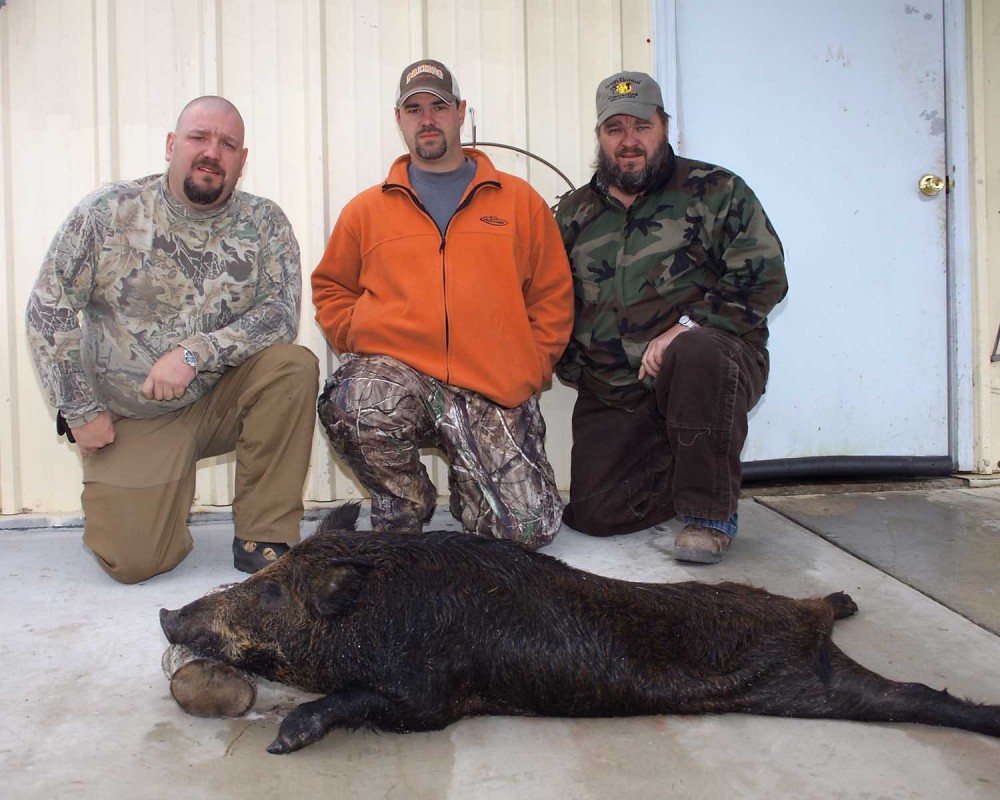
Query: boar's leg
{"x": 840, "y": 688}
{"x": 353, "y": 708}
{"x": 858, "y": 693}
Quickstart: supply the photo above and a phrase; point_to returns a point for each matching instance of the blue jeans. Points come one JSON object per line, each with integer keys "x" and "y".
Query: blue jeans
{"x": 728, "y": 526}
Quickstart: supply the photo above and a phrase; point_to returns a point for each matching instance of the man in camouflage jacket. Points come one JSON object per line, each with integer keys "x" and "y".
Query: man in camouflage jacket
{"x": 675, "y": 269}
{"x": 161, "y": 326}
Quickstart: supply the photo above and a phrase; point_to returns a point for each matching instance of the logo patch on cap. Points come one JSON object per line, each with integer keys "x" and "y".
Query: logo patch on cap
{"x": 422, "y": 69}
{"x": 624, "y": 87}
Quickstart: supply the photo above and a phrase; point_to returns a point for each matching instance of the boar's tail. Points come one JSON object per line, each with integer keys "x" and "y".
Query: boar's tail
{"x": 341, "y": 518}
{"x": 849, "y": 691}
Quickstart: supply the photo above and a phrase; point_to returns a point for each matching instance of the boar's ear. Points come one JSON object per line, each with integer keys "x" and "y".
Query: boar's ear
{"x": 337, "y": 589}
{"x": 342, "y": 518}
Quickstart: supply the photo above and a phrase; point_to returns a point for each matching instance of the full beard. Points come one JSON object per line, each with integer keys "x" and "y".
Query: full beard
{"x": 631, "y": 182}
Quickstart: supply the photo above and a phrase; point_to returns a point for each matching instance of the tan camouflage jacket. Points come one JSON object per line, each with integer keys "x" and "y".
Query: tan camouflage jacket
{"x": 132, "y": 274}
{"x": 698, "y": 243}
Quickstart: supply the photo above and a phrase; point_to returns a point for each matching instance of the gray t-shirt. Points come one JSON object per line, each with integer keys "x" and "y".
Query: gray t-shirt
{"x": 441, "y": 192}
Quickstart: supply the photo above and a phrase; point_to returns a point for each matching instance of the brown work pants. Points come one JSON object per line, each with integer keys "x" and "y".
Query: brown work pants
{"x": 678, "y": 451}
{"x": 137, "y": 491}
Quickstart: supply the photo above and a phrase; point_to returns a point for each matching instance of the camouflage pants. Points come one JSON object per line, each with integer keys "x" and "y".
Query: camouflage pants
{"x": 378, "y": 413}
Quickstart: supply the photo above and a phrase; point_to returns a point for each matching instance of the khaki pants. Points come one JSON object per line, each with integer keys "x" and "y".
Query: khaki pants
{"x": 137, "y": 491}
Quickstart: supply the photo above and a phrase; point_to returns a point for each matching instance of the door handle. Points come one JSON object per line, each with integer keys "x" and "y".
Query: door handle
{"x": 930, "y": 185}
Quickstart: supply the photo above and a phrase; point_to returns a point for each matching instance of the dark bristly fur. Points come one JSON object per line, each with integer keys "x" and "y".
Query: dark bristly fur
{"x": 406, "y": 632}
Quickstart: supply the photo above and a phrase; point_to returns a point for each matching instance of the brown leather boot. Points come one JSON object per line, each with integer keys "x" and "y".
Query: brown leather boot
{"x": 701, "y": 545}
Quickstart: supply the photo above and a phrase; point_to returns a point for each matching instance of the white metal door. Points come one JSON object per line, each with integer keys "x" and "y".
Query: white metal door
{"x": 832, "y": 112}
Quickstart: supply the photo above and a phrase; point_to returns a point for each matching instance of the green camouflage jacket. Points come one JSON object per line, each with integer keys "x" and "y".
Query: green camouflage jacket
{"x": 698, "y": 243}
{"x": 132, "y": 274}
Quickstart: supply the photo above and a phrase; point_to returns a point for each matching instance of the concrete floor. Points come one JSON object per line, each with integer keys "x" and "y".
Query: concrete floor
{"x": 85, "y": 711}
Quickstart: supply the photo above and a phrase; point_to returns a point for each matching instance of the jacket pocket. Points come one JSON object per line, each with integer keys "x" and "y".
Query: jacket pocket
{"x": 588, "y": 291}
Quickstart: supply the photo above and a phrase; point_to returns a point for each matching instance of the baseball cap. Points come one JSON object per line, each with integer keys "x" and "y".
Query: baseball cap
{"x": 427, "y": 76}
{"x": 632, "y": 93}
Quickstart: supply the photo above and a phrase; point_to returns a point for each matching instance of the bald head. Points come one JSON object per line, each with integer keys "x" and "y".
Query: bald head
{"x": 219, "y": 104}
{"x": 206, "y": 153}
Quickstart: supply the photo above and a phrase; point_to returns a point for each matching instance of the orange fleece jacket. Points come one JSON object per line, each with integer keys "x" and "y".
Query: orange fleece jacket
{"x": 486, "y": 307}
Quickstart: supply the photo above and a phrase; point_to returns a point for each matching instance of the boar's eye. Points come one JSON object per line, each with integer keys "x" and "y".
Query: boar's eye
{"x": 271, "y": 595}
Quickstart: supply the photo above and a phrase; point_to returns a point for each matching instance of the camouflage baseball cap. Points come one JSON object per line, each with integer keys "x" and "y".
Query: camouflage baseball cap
{"x": 632, "y": 93}
{"x": 427, "y": 76}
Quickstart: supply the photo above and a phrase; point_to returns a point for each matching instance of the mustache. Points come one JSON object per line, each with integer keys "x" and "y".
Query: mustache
{"x": 430, "y": 129}
{"x": 628, "y": 152}
{"x": 211, "y": 163}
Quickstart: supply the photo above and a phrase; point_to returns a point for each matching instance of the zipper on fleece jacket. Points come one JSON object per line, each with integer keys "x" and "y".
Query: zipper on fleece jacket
{"x": 441, "y": 247}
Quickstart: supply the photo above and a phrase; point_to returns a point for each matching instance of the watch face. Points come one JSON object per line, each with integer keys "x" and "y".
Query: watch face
{"x": 190, "y": 359}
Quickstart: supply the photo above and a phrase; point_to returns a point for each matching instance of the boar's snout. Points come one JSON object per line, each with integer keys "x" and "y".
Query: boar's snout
{"x": 188, "y": 627}
{"x": 182, "y": 626}
{"x": 169, "y": 621}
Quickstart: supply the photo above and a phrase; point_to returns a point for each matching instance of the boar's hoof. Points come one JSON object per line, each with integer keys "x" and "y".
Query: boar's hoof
{"x": 279, "y": 747}
{"x": 307, "y": 723}
{"x": 843, "y": 605}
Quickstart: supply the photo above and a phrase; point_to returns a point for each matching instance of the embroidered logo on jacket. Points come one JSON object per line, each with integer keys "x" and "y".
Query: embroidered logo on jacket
{"x": 498, "y": 221}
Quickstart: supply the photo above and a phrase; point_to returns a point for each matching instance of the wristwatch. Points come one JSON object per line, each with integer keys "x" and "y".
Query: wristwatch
{"x": 687, "y": 322}
{"x": 190, "y": 359}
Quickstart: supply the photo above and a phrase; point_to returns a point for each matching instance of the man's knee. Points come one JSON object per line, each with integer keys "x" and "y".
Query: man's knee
{"x": 129, "y": 566}
{"x": 621, "y": 509}
{"x": 294, "y": 362}
{"x": 359, "y": 403}
{"x": 332, "y": 404}
{"x": 590, "y": 515}
{"x": 532, "y": 516}
{"x": 710, "y": 379}
{"x": 695, "y": 350}
{"x": 137, "y": 533}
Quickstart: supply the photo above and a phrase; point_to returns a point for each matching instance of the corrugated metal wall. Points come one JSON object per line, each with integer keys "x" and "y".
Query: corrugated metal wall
{"x": 90, "y": 88}
{"x": 984, "y": 19}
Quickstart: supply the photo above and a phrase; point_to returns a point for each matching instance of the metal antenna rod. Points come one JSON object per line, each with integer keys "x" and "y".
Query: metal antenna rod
{"x": 475, "y": 143}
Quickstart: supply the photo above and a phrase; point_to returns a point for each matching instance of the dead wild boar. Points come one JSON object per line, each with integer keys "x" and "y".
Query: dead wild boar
{"x": 406, "y": 632}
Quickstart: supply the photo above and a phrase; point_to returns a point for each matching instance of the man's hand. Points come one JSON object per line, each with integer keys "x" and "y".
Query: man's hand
{"x": 653, "y": 356}
{"x": 169, "y": 377}
{"x": 95, "y": 434}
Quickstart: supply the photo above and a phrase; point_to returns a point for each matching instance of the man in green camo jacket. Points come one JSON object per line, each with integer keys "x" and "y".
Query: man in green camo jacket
{"x": 675, "y": 269}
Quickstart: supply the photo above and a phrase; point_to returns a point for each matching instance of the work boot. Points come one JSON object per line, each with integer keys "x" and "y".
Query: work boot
{"x": 249, "y": 556}
{"x": 700, "y": 544}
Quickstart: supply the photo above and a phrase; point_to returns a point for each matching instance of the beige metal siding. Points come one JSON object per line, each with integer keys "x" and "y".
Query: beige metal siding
{"x": 90, "y": 88}
{"x": 984, "y": 68}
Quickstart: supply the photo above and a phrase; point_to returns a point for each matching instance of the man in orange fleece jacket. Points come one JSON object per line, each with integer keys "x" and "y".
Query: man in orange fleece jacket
{"x": 446, "y": 292}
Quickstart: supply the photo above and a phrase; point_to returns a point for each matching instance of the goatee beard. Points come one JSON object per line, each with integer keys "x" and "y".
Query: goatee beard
{"x": 199, "y": 196}
{"x": 609, "y": 174}
{"x": 432, "y": 152}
